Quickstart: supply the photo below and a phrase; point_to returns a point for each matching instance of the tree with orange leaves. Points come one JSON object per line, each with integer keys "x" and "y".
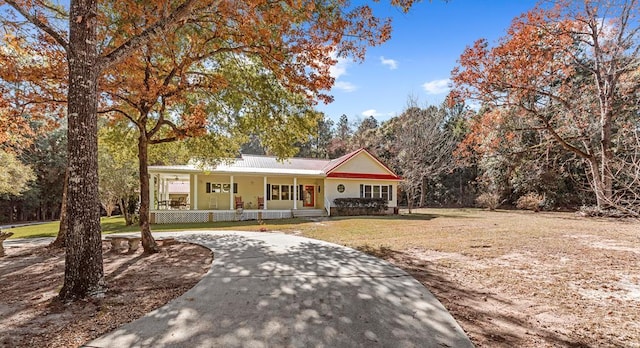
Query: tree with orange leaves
{"x": 219, "y": 99}
{"x": 570, "y": 71}
{"x": 292, "y": 40}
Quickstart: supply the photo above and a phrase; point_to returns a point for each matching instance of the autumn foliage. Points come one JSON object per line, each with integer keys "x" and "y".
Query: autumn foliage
{"x": 567, "y": 70}
{"x": 132, "y": 57}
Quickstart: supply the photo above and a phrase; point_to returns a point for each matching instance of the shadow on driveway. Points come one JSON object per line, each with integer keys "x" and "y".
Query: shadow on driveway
{"x": 276, "y": 290}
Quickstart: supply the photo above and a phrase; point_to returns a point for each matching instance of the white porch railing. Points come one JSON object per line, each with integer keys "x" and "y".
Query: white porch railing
{"x": 194, "y": 216}
{"x": 327, "y": 205}
{"x": 180, "y": 216}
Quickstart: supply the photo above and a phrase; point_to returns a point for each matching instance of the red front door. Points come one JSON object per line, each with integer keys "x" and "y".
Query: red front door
{"x": 309, "y": 196}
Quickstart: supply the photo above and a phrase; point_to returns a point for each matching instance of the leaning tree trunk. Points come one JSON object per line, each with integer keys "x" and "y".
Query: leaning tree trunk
{"x": 598, "y": 185}
{"x": 124, "y": 209}
{"x": 148, "y": 243}
{"x": 83, "y": 274}
{"x": 62, "y": 230}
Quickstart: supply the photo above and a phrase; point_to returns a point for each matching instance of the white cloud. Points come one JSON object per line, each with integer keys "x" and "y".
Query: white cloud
{"x": 391, "y": 63}
{"x": 436, "y": 86}
{"x": 340, "y": 68}
{"x": 371, "y": 112}
{"x": 345, "y": 86}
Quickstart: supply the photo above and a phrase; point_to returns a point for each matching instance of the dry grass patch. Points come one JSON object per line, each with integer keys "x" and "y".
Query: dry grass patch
{"x": 514, "y": 278}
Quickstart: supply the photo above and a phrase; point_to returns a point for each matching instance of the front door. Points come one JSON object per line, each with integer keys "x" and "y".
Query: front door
{"x": 309, "y": 196}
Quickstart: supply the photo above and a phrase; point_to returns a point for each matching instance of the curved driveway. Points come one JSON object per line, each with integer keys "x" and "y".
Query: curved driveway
{"x": 278, "y": 290}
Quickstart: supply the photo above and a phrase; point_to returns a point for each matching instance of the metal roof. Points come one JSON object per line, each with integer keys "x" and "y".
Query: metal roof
{"x": 255, "y": 164}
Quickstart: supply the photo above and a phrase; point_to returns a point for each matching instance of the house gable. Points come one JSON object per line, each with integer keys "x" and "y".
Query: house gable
{"x": 360, "y": 164}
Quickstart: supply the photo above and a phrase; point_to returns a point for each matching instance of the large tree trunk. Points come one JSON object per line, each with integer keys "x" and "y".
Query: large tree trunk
{"x": 84, "y": 275}
{"x": 62, "y": 230}
{"x": 148, "y": 243}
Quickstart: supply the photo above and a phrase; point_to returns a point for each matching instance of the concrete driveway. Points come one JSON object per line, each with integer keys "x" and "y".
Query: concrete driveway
{"x": 278, "y": 290}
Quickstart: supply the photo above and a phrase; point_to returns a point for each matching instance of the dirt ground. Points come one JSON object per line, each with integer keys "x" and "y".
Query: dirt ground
{"x": 30, "y": 278}
{"x": 570, "y": 290}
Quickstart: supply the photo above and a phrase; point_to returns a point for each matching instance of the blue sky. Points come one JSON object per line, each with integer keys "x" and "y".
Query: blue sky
{"x": 418, "y": 59}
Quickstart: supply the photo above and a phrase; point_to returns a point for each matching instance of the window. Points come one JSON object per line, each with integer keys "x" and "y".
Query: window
{"x": 213, "y": 187}
{"x": 367, "y": 191}
{"x": 377, "y": 191}
{"x": 341, "y": 188}
{"x": 280, "y": 192}
{"x": 275, "y": 192}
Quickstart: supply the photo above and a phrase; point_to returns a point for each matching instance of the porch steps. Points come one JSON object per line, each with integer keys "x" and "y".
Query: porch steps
{"x": 308, "y": 212}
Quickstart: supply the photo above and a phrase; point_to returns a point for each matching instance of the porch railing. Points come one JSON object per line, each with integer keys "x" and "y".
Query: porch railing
{"x": 194, "y": 216}
{"x": 327, "y": 205}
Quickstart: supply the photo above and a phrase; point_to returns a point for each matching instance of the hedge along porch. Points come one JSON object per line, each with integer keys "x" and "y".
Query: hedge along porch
{"x": 261, "y": 187}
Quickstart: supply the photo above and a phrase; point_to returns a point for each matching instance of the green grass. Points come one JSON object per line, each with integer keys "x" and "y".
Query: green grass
{"x": 116, "y": 224}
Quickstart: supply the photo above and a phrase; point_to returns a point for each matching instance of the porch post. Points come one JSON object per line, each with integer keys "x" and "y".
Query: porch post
{"x": 231, "y": 200}
{"x": 295, "y": 192}
{"x": 160, "y": 188}
{"x": 264, "y": 191}
{"x": 152, "y": 186}
{"x": 194, "y": 206}
{"x": 165, "y": 189}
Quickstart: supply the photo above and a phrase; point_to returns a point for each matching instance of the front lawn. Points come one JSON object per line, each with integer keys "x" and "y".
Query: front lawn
{"x": 514, "y": 278}
{"x": 115, "y": 224}
{"x": 510, "y": 278}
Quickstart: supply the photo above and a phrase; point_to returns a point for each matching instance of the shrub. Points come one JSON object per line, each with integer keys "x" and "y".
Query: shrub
{"x": 360, "y": 206}
{"x": 488, "y": 200}
{"x": 530, "y": 201}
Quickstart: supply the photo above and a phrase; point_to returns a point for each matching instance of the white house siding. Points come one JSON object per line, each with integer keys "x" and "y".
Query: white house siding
{"x": 352, "y": 188}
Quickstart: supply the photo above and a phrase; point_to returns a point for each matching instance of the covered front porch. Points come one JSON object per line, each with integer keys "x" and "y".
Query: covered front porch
{"x": 179, "y": 197}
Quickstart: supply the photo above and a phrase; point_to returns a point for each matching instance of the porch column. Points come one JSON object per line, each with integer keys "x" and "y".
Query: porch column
{"x": 231, "y": 200}
{"x": 194, "y": 206}
{"x": 295, "y": 192}
{"x": 160, "y": 188}
{"x": 165, "y": 189}
{"x": 152, "y": 186}
{"x": 264, "y": 191}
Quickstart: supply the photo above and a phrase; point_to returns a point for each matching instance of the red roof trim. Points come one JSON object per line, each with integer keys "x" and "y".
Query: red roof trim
{"x": 364, "y": 176}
